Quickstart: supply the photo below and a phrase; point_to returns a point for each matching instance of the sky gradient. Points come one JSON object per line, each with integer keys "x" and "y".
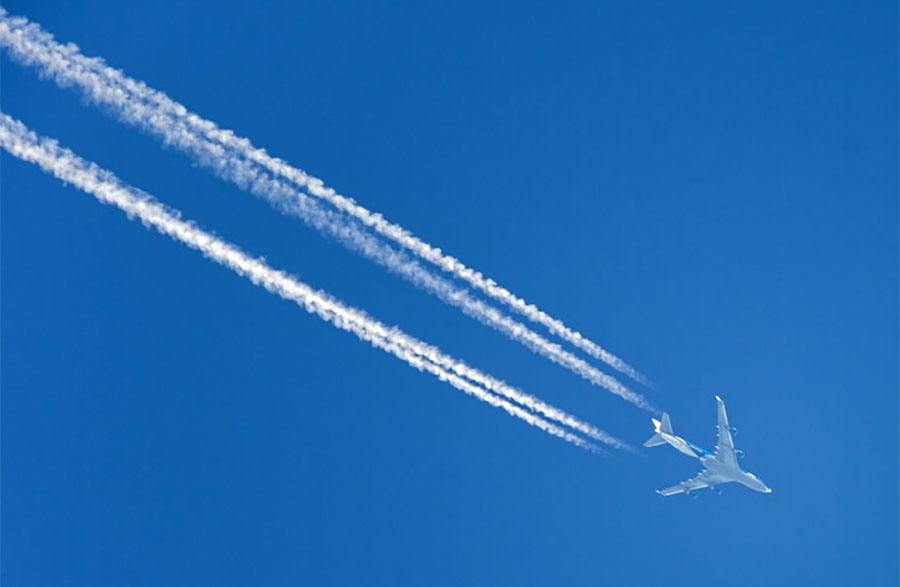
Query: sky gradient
{"x": 710, "y": 192}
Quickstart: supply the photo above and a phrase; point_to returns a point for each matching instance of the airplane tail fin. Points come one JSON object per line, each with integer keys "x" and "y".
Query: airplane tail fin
{"x": 663, "y": 426}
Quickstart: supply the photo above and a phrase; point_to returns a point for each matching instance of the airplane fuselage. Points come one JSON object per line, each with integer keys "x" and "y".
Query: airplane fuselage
{"x": 719, "y": 467}
{"x": 681, "y": 445}
{"x": 724, "y": 473}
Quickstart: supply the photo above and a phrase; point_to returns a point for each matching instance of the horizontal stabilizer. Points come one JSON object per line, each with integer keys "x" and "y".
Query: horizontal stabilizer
{"x": 666, "y": 425}
{"x": 663, "y": 435}
{"x": 655, "y": 440}
{"x": 660, "y": 428}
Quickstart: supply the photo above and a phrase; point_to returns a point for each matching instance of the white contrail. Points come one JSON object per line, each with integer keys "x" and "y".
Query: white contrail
{"x": 152, "y": 110}
{"x": 67, "y": 166}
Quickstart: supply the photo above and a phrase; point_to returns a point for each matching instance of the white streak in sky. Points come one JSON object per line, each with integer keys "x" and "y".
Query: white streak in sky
{"x": 67, "y": 166}
{"x": 236, "y": 160}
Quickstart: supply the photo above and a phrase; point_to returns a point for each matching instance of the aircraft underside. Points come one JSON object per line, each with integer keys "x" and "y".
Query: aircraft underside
{"x": 718, "y": 468}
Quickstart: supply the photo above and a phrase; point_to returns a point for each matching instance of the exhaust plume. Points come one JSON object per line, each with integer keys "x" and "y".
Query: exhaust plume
{"x": 102, "y": 184}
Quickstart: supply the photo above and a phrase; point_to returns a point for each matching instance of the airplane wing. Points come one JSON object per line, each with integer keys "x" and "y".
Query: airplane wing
{"x": 725, "y": 447}
{"x": 699, "y": 482}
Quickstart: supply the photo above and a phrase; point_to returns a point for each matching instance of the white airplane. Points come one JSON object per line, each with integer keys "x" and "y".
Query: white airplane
{"x": 718, "y": 468}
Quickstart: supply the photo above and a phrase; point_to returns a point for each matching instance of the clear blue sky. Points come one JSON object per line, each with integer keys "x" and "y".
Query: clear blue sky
{"x": 709, "y": 191}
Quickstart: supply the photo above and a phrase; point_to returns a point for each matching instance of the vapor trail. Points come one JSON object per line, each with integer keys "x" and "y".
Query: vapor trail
{"x": 67, "y": 166}
{"x": 236, "y": 159}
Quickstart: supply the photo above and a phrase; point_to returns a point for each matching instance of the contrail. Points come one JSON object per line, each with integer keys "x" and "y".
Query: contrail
{"x": 67, "y": 166}
{"x": 234, "y": 158}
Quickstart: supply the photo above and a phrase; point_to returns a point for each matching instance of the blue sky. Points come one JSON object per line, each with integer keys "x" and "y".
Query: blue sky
{"x": 709, "y": 191}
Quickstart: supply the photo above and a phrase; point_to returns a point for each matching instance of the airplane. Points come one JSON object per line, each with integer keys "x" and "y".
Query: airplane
{"x": 721, "y": 467}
